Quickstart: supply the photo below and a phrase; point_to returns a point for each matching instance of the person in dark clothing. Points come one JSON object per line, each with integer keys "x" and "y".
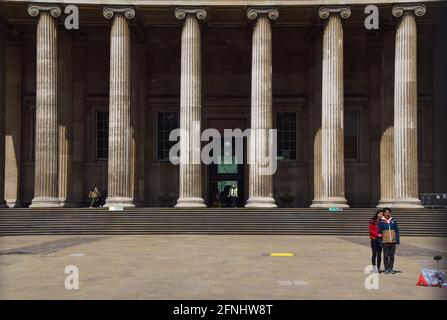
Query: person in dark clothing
{"x": 389, "y": 239}
{"x": 376, "y": 249}
{"x": 102, "y": 198}
{"x": 226, "y": 195}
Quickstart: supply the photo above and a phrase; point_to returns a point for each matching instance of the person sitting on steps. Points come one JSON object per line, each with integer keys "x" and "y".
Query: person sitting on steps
{"x": 94, "y": 196}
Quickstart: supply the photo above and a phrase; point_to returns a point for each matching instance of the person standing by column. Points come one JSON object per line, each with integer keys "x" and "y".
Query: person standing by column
{"x": 389, "y": 238}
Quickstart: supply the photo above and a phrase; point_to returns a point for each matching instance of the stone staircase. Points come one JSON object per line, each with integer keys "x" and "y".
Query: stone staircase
{"x": 232, "y": 221}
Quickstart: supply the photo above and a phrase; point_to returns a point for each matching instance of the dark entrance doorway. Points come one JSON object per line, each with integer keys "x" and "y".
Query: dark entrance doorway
{"x": 225, "y": 175}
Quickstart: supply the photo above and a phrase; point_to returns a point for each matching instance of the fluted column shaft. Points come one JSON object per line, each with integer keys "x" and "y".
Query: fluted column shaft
{"x": 190, "y": 189}
{"x": 46, "y": 153}
{"x": 332, "y": 112}
{"x": 316, "y": 110}
{"x": 260, "y": 187}
{"x": 405, "y": 108}
{"x": 332, "y": 192}
{"x": 317, "y": 167}
{"x": 120, "y": 186}
{"x": 2, "y": 114}
{"x": 65, "y": 117}
{"x": 387, "y": 138}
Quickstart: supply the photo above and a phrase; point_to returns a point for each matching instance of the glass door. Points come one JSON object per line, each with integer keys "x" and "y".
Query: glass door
{"x": 226, "y": 188}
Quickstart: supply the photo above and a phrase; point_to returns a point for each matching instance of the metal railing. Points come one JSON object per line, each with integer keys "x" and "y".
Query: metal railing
{"x": 433, "y": 200}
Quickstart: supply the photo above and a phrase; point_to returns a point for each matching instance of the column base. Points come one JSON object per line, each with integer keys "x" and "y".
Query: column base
{"x": 338, "y": 202}
{"x": 119, "y": 202}
{"x": 410, "y": 203}
{"x": 13, "y": 203}
{"x": 3, "y": 204}
{"x": 261, "y": 202}
{"x": 190, "y": 203}
{"x": 44, "y": 202}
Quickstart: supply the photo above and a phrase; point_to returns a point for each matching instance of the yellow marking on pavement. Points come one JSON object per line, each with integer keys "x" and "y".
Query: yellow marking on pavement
{"x": 281, "y": 254}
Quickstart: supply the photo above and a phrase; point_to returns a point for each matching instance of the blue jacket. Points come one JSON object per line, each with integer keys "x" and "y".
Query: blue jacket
{"x": 389, "y": 231}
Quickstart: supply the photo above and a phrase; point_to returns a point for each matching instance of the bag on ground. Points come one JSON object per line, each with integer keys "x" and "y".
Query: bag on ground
{"x": 432, "y": 278}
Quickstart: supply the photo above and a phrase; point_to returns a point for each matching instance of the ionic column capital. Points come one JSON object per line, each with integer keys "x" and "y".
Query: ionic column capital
{"x": 200, "y": 13}
{"x": 272, "y": 13}
{"x": 54, "y": 10}
{"x": 109, "y": 12}
{"x": 325, "y": 11}
{"x": 400, "y": 9}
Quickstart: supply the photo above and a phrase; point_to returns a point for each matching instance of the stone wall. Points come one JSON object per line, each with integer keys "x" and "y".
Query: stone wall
{"x": 226, "y": 65}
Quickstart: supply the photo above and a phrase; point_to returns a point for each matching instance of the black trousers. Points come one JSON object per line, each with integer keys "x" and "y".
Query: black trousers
{"x": 388, "y": 255}
{"x": 376, "y": 253}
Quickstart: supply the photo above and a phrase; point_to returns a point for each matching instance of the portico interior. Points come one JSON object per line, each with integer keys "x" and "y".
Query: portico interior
{"x": 226, "y": 72}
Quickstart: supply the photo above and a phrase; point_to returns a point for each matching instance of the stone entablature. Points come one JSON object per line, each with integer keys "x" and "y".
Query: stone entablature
{"x": 224, "y": 2}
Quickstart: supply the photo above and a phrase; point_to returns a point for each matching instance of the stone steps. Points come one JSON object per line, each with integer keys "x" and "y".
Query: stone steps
{"x": 277, "y": 221}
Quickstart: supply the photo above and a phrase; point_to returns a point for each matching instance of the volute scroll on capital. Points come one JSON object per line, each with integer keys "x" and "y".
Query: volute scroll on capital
{"x": 200, "y": 13}
{"x": 253, "y": 13}
{"x": 325, "y": 11}
{"x": 399, "y": 10}
{"x": 109, "y": 12}
{"x": 34, "y": 10}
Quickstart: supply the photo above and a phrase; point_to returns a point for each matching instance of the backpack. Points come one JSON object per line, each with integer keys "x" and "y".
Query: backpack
{"x": 432, "y": 278}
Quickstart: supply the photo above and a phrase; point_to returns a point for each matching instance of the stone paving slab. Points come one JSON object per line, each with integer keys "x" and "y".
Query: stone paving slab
{"x": 209, "y": 267}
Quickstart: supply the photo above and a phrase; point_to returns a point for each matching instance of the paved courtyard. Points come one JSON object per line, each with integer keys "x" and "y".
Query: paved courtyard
{"x": 210, "y": 267}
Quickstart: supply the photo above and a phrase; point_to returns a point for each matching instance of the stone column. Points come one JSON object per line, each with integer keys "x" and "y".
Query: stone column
{"x": 65, "y": 97}
{"x": 46, "y": 154}
{"x": 190, "y": 191}
{"x": 13, "y": 123}
{"x": 406, "y": 191}
{"x": 260, "y": 188}
{"x": 2, "y": 114}
{"x": 315, "y": 94}
{"x": 79, "y": 93}
{"x": 120, "y": 182}
{"x": 387, "y": 129}
{"x": 332, "y": 137}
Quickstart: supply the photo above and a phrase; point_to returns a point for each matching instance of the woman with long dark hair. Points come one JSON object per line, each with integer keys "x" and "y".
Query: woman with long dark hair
{"x": 376, "y": 258}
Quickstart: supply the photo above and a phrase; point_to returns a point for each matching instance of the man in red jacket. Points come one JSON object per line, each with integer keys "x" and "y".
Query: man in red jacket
{"x": 375, "y": 243}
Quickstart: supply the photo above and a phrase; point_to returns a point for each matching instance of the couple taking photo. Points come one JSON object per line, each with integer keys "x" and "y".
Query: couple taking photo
{"x": 384, "y": 234}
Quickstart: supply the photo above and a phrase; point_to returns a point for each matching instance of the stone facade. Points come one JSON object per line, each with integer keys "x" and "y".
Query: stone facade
{"x": 223, "y": 66}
